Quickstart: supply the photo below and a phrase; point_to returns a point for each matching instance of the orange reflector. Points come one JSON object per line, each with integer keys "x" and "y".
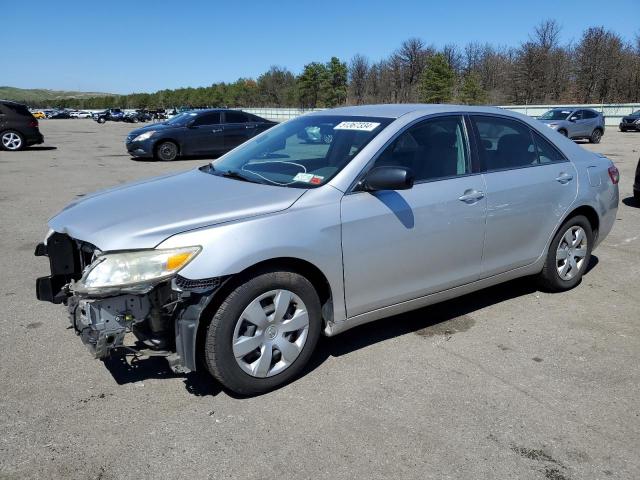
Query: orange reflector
{"x": 177, "y": 260}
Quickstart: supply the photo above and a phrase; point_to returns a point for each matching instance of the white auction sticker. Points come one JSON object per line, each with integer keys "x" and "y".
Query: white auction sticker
{"x": 361, "y": 126}
{"x": 303, "y": 177}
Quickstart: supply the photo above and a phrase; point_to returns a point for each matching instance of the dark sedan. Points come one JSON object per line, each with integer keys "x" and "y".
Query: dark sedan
{"x": 194, "y": 133}
{"x": 630, "y": 122}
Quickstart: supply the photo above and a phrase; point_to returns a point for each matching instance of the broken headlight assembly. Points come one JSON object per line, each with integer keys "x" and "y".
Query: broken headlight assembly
{"x": 133, "y": 270}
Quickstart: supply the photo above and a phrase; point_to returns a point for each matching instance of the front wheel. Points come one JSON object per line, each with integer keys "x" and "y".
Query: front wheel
{"x": 568, "y": 256}
{"x": 167, "y": 151}
{"x": 12, "y": 140}
{"x": 596, "y": 136}
{"x": 264, "y": 332}
{"x": 101, "y": 120}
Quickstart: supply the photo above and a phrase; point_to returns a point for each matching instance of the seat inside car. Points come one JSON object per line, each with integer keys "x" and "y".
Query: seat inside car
{"x": 514, "y": 150}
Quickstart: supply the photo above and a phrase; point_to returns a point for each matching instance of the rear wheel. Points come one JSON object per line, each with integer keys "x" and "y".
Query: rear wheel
{"x": 12, "y": 140}
{"x": 596, "y": 136}
{"x": 264, "y": 332}
{"x": 568, "y": 255}
{"x": 166, "y": 151}
{"x": 101, "y": 119}
{"x": 622, "y": 129}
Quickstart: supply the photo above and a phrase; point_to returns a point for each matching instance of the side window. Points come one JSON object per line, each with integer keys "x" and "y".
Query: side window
{"x": 547, "y": 153}
{"x": 208, "y": 119}
{"x": 235, "y": 117}
{"x": 432, "y": 149}
{"x": 589, "y": 114}
{"x": 504, "y": 143}
{"x": 577, "y": 115}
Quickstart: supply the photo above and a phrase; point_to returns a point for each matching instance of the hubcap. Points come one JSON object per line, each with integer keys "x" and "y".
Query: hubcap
{"x": 270, "y": 333}
{"x": 168, "y": 150}
{"x": 571, "y": 252}
{"x": 11, "y": 141}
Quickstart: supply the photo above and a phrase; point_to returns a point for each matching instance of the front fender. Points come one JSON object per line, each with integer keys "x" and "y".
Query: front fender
{"x": 310, "y": 230}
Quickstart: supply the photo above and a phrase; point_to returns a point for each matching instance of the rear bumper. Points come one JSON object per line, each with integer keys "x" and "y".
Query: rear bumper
{"x": 629, "y": 126}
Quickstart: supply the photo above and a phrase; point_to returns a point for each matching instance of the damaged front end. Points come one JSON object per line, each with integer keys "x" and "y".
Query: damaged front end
{"x": 139, "y": 292}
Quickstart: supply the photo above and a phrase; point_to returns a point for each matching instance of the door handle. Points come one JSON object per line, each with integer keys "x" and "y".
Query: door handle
{"x": 216, "y": 130}
{"x": 471, "y": 196}
{"x": 564, "y": 178}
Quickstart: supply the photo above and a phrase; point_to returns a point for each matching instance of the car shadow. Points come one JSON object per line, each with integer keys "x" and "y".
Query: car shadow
{"x": 445, "y": 318}
{"x": 631, "y": 202}
{"x": 179, "y": 159}
{"x": 37, "y": 149}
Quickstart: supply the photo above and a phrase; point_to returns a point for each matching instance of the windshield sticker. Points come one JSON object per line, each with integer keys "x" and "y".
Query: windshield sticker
{"x": 361, "y": 126}
{"x": 303, "y": 177}
{"x": 308, "y": 178}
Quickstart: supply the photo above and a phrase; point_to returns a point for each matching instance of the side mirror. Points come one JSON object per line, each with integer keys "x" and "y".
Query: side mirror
{"x": 573, "y": 119}
{"x": 388, "y": 178}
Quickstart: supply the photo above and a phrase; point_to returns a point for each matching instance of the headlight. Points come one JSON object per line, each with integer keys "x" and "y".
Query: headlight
{"x": 144, "y": 136}
{"x": 637, "y": 121}
{"x": 130, "y": 269}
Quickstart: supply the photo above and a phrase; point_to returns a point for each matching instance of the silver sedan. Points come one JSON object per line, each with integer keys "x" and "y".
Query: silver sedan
{"x": 320, "y": 224}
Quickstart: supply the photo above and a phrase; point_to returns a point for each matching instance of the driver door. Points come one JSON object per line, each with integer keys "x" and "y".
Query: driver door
{"x": 401, "y": 245}
{"x": 205, "y": 135}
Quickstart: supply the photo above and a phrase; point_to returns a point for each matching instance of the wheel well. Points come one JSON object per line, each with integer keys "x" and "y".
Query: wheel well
{"x": 302, "y": 267}
{"x": 598, "y": 128}
{"x": 591, "y": 215}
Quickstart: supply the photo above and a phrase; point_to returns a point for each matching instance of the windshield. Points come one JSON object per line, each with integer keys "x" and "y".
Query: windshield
{"x": 181, "y": 119}
{"x": 556, "y": 114}
{"x": 304, "y": 153}
{"x": 635, "y": 114}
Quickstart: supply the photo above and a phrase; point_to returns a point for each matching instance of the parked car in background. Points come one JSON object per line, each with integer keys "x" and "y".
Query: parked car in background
{"x": 201, "y": 132}
{"x": 38, "y": 114}
{"x": 137, "y": 116}
{"x": 238, "y": 266}
{"x": 111, "y": 114}
{"x": 575, "y": 123}
{"x": 18, "y": 127}
{"x": 630, "y": 122}
{"x": 61, "y": 114}
{"x": 80, "y": 114}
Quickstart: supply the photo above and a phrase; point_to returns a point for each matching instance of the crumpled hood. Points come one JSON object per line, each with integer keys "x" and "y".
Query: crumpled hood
{"x": 143, "y": 214}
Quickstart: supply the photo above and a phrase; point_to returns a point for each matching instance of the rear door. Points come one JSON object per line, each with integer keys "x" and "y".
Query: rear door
{"x": 529, "y": 186}
{"x": 237, "y": 128}
{"x": 402, "y": 245}
{"x": 3, "y": 117}
{"x": 205, "y": 135}
{"x": 581, "y": 125}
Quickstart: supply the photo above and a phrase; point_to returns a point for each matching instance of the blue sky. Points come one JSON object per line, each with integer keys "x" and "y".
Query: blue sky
{"x": 121, "y": 47}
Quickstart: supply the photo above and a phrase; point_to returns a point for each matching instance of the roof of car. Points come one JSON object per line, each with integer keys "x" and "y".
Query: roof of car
{"x": 398, "y": 109}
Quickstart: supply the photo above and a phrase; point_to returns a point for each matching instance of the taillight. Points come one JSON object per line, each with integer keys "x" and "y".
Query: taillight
{"x": 614, "y": 174}
{"x": 33, "y": 123}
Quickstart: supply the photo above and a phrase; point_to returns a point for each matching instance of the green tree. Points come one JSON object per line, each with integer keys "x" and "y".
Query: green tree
{"x": 438, "y": 78}
{"x": 471, "y": 92}
{"x": 311, "y": 83}
{"x": 334, "y": 90}
{"x": 277, "y": 87}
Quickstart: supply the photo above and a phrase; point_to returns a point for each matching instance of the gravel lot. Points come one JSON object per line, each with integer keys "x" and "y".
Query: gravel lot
{"x": 506, "y": 383}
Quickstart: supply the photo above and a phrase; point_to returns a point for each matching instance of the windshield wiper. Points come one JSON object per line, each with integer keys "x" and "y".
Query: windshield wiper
{"x": 236, "y": 175}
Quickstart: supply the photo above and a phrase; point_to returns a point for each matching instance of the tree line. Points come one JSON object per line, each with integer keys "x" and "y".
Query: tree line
{"x": 601, "y": 67}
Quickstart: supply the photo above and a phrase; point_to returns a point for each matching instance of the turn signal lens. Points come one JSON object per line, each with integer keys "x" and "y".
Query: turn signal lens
{"x": 174, "y": 262}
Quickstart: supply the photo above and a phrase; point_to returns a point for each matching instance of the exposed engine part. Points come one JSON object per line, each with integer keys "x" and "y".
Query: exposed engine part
{"x": 103, "y": 323}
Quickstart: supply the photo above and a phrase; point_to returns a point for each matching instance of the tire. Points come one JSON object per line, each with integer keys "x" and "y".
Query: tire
{"x": 101, "y": 120}
{"x": 623, "y": 129}
{"x": 550, "y": 278}
{"x": 636, "y": 196}
{"x": 562, "y": 131}
{"x": 166, "y": 151}
{"x": 258, "y": 371}
{"x": 11, "y": 140}
{"x": 596, "y": 136}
